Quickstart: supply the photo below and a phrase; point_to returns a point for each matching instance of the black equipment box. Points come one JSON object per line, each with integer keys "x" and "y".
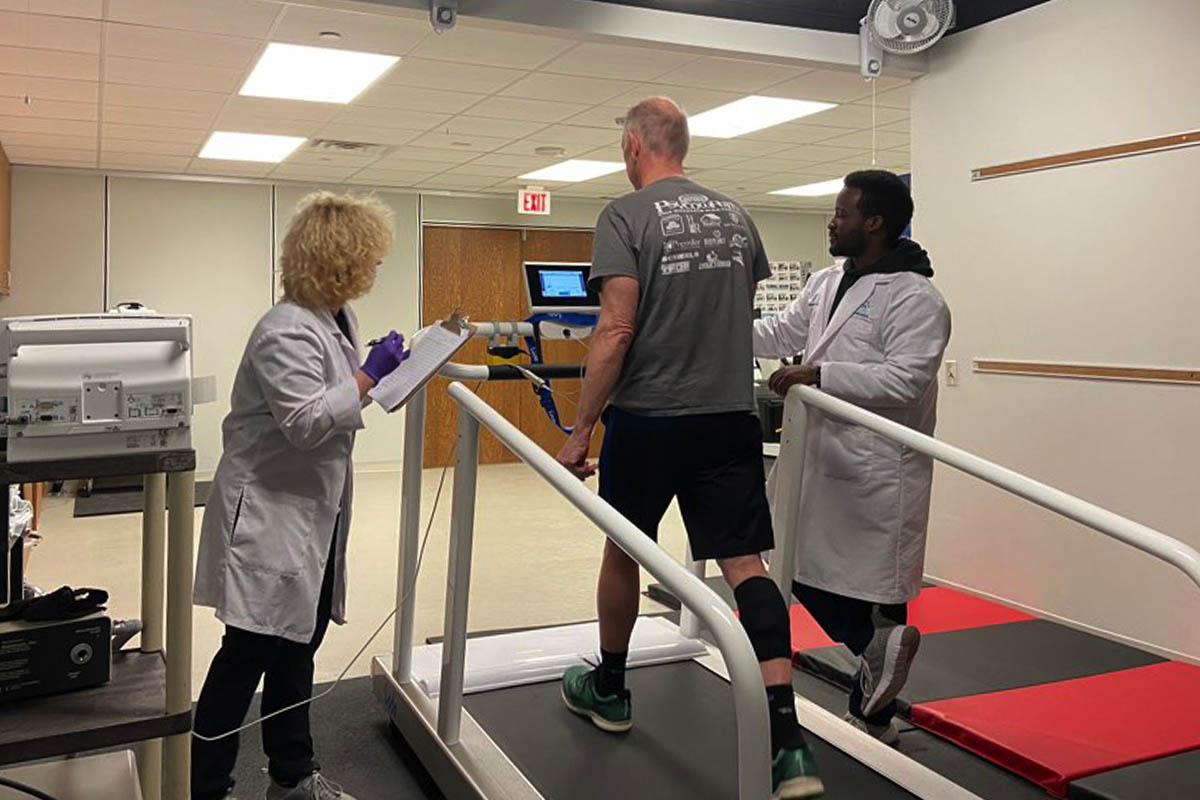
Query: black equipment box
{"x": 40, "y": 658}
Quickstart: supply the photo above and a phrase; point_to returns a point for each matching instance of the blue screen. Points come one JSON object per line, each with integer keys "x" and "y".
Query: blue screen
{"x": 562, "y": 283}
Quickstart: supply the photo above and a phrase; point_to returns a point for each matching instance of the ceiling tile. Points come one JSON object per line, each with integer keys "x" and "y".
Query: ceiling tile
{"x": 903, "y": 126}
{"x": 183, "y": 47}
{"x": 48, "y": 109}
{"x": 857, "y": 116}
{"x": 141, "y": 72}
{"x": 795, "y": 133}
{"x": 565, "y": 88}
{"x": 528, "y": 147}
{"x": 730, "y": 74}
{"x": 497, "y": 48}
{"x": 424, "y": 155}
{"x": 900, "y": 97}
{"x": 832, "y": 86}
{"x": 693, "y": 100}
{"x": 527, "y": 110}
{"x": 483, "y": 170}
{"x": 281, "y": 109}
{"x": 703, "y": 160}
{"x": 575, "y": 134}
{"x": 745, "y": 148}
{"x": 49, "y": 33}
{"x": 817, "y": 153}
{"x": 390, "y": 177}
{"x": 405, "y": 98}
{"x": 306, "y": 172}
{"x": 150, "y": 133}
{"x": 134, "y": 115}
{"x": 15, "y": 138}
{"x": 883, "y": 140}
{"x": 363, "y": 31}
{"x": 248, "y": 18}
{"x": 276, "y": 126}
{"x": 321, "y": 158}
{"x": 234, "y": 169}
{"x": 426, "y": 73}
{"x": 521, "y": 163}
{"x": 460, "y": 142}
{"x": 894, "y": 160}
{"x": 49, "y": 63}
{"x": 27, "y": 154}
{"x": 110, "y": 146}
{"x": 617, "y": 61}
{"x": 390, "y": 118}
{"x": 366, "y": 133}
{"x": 156, "y": 163}
{"x": 600, "y": 117}
{"x": 486, "y": 126}
{"x": 119, "y": 94}
{"x": 84, "y": 9}
{"x": 49, "y": 88}
{"x": 460, "y": 182}
{"x": 25, "y": 123}
{"x": 778, "y": 164}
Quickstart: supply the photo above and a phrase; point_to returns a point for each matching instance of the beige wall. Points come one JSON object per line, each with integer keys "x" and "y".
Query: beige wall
{"x": 185, "y": 247}
{"x": 1093, "y": 263}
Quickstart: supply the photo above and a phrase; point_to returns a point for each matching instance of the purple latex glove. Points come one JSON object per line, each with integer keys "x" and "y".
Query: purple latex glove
{"x": 385, "y": 357}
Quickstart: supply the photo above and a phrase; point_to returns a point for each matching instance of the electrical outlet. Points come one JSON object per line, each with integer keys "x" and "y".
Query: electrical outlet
{"x": 952, "y": 373}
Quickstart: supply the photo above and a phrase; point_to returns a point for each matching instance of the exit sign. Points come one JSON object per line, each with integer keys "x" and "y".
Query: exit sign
{"x": 533, "y": 201}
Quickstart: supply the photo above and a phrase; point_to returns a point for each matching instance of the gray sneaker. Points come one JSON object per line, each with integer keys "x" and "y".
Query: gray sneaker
{"x": 314, "y": 787}
{"x": 884, "y": 665}
{"x": 888, "y": 734}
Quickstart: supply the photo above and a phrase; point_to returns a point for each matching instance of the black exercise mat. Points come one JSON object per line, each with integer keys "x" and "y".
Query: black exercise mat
{"x": 1167, "y": 778}
{"x": 354, "y": 742}
{"x": 681, "y": 746}
{"x": 991, "y": 659}
{"x": 126, "y": 501}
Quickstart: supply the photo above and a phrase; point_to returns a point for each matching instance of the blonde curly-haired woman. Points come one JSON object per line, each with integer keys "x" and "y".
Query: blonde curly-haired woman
{"x": 272, "y": 558}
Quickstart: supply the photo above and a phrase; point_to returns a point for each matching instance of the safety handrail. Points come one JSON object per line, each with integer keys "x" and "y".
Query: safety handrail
{"x": 745, "y": 676}
{"x": 1144, "y": 538}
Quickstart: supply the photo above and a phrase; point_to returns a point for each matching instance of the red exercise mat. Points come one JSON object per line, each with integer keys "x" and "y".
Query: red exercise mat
{"x": 1059, "y": 732}
{"x": 939, "y": 610}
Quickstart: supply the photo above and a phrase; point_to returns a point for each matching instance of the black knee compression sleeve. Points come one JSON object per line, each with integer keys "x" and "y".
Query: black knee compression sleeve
{"x": 764, "y": 615}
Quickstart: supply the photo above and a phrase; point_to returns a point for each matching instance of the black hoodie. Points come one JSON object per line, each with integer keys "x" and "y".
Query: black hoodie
{"x": 907, "y": 256}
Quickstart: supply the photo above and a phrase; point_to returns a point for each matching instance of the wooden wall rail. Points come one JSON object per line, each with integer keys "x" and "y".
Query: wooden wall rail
{"x": 1140, "y": 147}
{"x": 1088, "y": 371}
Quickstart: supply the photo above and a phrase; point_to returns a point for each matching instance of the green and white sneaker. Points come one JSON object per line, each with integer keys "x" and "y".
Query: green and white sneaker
{"x": 794, "y": 775}
{"x": 612, "y": 713}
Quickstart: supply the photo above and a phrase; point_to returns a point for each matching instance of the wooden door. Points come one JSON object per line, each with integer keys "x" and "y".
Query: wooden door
{"x": 479, "y": 270}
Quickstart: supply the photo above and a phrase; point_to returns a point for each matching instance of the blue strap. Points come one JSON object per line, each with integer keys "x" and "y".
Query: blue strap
{"x": 535, "y": 357}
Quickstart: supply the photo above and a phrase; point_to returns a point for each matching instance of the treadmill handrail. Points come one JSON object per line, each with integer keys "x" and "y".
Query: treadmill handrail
{"x": 749, "y": 699}
{"x": 1144, "y": 538}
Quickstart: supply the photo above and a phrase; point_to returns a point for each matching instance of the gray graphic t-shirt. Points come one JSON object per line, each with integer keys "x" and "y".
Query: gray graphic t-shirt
{"x": 696, "y": 256}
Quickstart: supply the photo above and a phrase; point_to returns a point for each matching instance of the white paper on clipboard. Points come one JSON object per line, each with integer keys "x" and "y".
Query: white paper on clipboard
{"x": 436, "y": 345}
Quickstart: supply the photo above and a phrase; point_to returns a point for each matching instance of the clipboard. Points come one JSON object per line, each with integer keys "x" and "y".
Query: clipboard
{"x": 430, "y": 351}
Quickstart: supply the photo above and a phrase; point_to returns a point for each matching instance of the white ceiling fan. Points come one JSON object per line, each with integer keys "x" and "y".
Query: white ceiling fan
{"x": 900, "y": 27}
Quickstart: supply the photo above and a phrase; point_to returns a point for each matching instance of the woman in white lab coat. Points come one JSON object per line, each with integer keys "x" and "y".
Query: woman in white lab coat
{"x": 272, "y": 558}
{"x": 872, "y": 331}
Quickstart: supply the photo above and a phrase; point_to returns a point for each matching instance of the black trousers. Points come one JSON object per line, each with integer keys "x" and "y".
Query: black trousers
{"x": 286, "y": 669}
{"x": 849, "y": 620}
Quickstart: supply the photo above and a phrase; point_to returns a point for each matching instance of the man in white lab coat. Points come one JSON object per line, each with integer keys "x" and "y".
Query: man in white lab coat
{"x": 872, "y": 331}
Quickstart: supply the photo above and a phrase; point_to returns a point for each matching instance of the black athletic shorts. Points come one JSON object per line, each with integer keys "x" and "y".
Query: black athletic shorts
{"x": 712, "y": 462}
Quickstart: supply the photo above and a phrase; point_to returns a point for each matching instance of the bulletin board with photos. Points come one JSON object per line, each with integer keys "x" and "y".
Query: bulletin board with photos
{"x": 785, "y": 284}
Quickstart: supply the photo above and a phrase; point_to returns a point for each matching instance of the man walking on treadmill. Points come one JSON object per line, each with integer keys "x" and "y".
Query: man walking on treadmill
{"x": 676, "y": 266}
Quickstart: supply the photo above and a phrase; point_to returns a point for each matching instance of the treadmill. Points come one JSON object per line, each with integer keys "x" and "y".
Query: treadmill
{"x": 485, "y": 716}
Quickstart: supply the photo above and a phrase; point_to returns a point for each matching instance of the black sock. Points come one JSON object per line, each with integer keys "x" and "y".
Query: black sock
{"x": 610, "y": 676}
{"x": 785, "y": 729}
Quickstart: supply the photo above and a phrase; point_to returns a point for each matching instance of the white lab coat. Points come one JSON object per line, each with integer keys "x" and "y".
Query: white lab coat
{"x": 284, "y": 476}
{"x": 864, "y": 502}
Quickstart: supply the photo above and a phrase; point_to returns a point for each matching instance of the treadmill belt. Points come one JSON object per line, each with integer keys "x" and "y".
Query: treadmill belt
{"x": 681, "y": 746}
{"x": 992, "y": 659}
{"x": 1171, "y": 777}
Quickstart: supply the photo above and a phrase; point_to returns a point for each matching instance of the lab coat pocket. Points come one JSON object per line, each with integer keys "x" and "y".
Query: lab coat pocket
{"x": 274, "y": 531}
{"x": 847, "y": 450}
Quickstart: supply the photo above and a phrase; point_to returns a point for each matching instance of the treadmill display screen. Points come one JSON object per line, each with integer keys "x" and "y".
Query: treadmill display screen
{"x": 560, "y": 287}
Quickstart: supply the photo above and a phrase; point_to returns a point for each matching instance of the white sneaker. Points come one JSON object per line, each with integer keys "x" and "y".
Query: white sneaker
{"x": 314, "y": 787}
{"x": 885, "y": 664}
{"x": 888, "y": 734}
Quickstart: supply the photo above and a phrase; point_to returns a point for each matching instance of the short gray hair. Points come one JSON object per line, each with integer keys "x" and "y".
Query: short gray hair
{"x": 661, "y": 126}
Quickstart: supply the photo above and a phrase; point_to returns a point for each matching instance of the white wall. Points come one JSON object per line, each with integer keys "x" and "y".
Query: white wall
{"x": 1093, "y": 263}
{"x": 184, "y": 247}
